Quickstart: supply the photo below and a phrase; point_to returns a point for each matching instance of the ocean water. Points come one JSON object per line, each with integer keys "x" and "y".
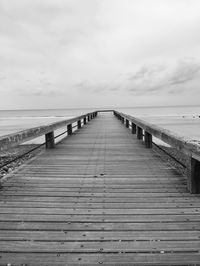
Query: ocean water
{"x": 183, "y": 120}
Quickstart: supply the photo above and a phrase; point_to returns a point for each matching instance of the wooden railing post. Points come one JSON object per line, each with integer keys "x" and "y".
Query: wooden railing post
{"x": 148, "y": 140}
{"x": 69, "y": 129}
{"x": 127, "y": 123}
{"x": 79, "y": 124}
{"x": 49, "y": 139}
{"x": 84, "y": 120}
{"x": 193, "y": 181}
{"x": 139, "y": 133}
{"x": 133, "y": 128}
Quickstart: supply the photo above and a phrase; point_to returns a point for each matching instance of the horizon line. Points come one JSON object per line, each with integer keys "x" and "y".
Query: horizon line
{"x": 98, "y": 108}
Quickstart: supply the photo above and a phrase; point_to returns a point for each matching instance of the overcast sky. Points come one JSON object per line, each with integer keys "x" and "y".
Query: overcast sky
{"x": 99, "y": 53}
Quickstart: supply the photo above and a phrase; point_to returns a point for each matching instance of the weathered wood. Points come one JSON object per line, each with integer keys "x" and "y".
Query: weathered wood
{"x": 95, "y": 246}
{"x": 127, "y": 123}
{"x": 49, "y": 139}
{"x": 15, "y": 139}
{"x": 133, "y": 128}
{"x": 187, "y": 146}
{"x": 148, "y": 139}
{"x": 19, "y": 235}
{"x": 114, "y": 227}
{"x": 139, "y": 133}
{"x": 151, "y": 259}
{"x": 79, "y": 124}
{"x": 194, "y": 176}
{"x": 183, "y": 144}
{"x": 69, "y": 129}
{"x": 98, "y": 194}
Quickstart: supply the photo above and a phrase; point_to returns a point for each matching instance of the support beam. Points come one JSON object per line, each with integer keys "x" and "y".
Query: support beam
{"x": 84, "y": 120}
{"x": 69, "y": 129}
{"x": 139, "y": 133}
{"x": 194, "y": 176}
{"x": 49, "y": 139}
{"x": 133, "y": 128}
{"x": 79, "y": 124}
{"x": 148, "y": 140}
{"x": 127, "y": 123}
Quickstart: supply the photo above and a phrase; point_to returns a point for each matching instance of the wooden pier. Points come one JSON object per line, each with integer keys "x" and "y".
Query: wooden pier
{"x": 99, "y": 197}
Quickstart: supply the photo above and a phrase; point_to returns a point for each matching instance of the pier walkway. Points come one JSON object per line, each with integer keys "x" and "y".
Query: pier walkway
{"x": 100, "y": 197}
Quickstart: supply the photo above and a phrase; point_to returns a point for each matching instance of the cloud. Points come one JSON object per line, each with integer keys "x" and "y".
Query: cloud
{"x": 106, "y": 86}
{"x": 169, "y": 78}
{"x": 147, "y": 71}
{"x": 41, "y": 92}
{"x": 153, "y": 79}
{"x": 185, "y": 71}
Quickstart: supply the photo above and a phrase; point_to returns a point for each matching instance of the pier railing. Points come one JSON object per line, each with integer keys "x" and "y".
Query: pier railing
{"x": 13, "y": 140}
{"x": 145, "y": 131}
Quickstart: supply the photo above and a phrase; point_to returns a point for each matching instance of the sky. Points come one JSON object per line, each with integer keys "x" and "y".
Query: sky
{"x": 99, "y": 53}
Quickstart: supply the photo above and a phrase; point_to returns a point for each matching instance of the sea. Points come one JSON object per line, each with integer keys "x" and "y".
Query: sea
{"x": 182, "y": 120}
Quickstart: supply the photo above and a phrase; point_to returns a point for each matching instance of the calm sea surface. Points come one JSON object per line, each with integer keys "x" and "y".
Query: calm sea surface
{"x": 182, "y": 120}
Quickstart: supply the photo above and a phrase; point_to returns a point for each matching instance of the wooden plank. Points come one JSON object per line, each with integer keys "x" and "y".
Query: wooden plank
{"x": 96, "y": 259}
{"x": 98, "y": 190}
{"x": 101, "y": 226}
{"x": 101, "y": 205}
{"x": 103, "y": 246}
{"x": 106, "y": 211}
{"x": 66, "y": 236}
{"x": 38, "y": 217}
{"x": 105, "y": 200}
{"x": 95, "y": 194}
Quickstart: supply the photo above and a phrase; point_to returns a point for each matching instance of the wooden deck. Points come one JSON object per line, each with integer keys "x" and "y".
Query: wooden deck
{"x": 99, "y": 197}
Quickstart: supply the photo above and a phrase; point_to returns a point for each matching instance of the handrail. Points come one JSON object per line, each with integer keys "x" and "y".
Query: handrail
{"x": 14, "y": 139}
{"x": 185, "y": 145}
